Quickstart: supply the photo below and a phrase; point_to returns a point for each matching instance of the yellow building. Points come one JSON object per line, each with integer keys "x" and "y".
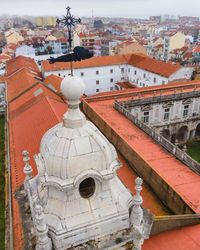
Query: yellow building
{"x": 14, "y": 37}
{"x": 172, "y": 41}
{"x": 51, "y": 38}
{"x": 46, "y": 21}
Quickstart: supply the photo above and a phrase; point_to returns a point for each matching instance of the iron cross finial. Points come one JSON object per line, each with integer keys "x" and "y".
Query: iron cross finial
{"x": 69, "y": 21}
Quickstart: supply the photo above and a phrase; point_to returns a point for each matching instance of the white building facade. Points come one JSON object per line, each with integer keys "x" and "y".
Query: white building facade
{"x": 176, "y": 117}
{"x": 104, "y": 78}
{"x": 25, "y": 50}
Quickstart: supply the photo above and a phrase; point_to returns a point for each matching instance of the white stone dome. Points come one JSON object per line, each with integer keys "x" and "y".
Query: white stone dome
{"x": 74, "y": 147}
{"x": 66, "y": 152}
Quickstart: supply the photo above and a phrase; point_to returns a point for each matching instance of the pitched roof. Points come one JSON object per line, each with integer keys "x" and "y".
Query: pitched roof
{"x": 54, "y": 81}
{"x": 92, "y": 62}
{"x": 21, "y": 62}
{"x": 26, "y": 129}
{"x": 27, "y": 98}
{"x": 19, "y": 82}
{"x": 137, "y": 60}
{"x": 153, "y": 65}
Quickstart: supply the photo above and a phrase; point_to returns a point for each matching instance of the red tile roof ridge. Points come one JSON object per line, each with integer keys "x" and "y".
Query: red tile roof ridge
{"x": 19, "y": 62}
{"x": 17, "y": 71}
{"x": 49, "y": 99}
{"x": 32, "y": 86}
{"x": 97, "y": 61}
{"x": 26, "y": 105}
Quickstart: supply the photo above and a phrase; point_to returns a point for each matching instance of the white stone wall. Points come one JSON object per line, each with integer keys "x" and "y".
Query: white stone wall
{"x": 25, "y": 51}
{"x": 144, "y": 78}
{"x": 137, "y": 76}
{"x": 183, "y": 73}
{"x": 106, "y": 79}
{"x": 156, "y": 112}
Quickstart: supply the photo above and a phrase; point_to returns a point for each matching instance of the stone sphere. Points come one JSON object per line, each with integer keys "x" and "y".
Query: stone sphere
{"x": 72, "y": 87}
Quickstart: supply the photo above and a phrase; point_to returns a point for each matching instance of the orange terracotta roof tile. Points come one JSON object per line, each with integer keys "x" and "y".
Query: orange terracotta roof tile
{"x": 186, "y": 238}
{"x": 126, "y": 85}
{"x": 92, "y": 62}
{"x": 36, "y": 92}
{"x": 154, "y": 66}
{"x": 55, "y": 81}
{"x": 19, "y": 82}
{"x": 26, "y": 130}
{"x": 21, "y": 62}
{"x": 2, "y": 79}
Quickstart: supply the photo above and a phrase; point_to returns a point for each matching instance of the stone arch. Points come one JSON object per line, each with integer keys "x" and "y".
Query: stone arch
{"x": 166, "y": 133}
{"x": 182, "y": 133}
{"x": 197, "y": 131}
{"x": 173, "y": 138}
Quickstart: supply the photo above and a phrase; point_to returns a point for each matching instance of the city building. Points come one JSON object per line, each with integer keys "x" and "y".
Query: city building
{"x": 172, "y": 41}
{"x": 129, "y": 47}
{"x": 102, "y": 73}
{"x": 46, "y": 21}
{"x": 13, "y": 37}
{"x": 25, "y": 50}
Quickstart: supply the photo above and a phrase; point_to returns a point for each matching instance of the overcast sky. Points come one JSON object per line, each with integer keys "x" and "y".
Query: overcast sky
{"x": 110, "y": 8}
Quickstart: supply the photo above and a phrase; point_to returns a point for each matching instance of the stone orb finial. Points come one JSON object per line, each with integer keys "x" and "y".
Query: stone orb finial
{"x": 72, "y": 88}
{"x": 138, "y": 181}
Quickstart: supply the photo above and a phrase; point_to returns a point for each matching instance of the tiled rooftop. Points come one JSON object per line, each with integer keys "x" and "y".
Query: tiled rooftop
{"x": 21, "y": 62}
{"x": 137, "y": 60}
{"x": 53, "y": 80}
{"x": 19, "y": 82}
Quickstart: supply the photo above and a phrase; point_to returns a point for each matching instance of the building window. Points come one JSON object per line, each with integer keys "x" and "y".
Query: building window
{"x": 185, "y": 111}
{"x": 111, "y": 88}
{"x": 82, "y": 73}
{"x": 97, "y": 72}
{"x": 58, "y": 74}
{"x": 87, "y": 188}
{"x": 146, "y": 117}
{"x": 135, "y": 72}
{"x": 111, "y": 71}
{"x": 97, "y": 90}
{"x": 144, "y": 75}
{"x": 122, "y": 70}
{"x": 163, "y": 82}
{"x": 166, "y": 114}
{"x": 129, "y": 70}
{"x": 111, "y": 80}
{"x": 97, "y": 81}
{"x": 154, "y": 79}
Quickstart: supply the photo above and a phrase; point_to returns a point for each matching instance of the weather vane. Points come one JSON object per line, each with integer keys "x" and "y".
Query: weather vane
{"x": 78, "y": 53}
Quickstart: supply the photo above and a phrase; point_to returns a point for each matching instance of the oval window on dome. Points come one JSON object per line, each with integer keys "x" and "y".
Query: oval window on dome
{"x": 87, "y": 188}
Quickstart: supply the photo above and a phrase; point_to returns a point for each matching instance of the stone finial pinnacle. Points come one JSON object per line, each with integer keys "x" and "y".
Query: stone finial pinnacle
{"x": 43, "y": 241}
{"x": 27, "y": 168}
{"x": 138, "y": 187}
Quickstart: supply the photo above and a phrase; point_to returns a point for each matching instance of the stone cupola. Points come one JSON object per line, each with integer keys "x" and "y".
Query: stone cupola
{"x": 77, "y": 183}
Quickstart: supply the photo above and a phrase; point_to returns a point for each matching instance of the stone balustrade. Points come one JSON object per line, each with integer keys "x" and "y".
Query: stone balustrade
{"x": 173, "y": 149}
